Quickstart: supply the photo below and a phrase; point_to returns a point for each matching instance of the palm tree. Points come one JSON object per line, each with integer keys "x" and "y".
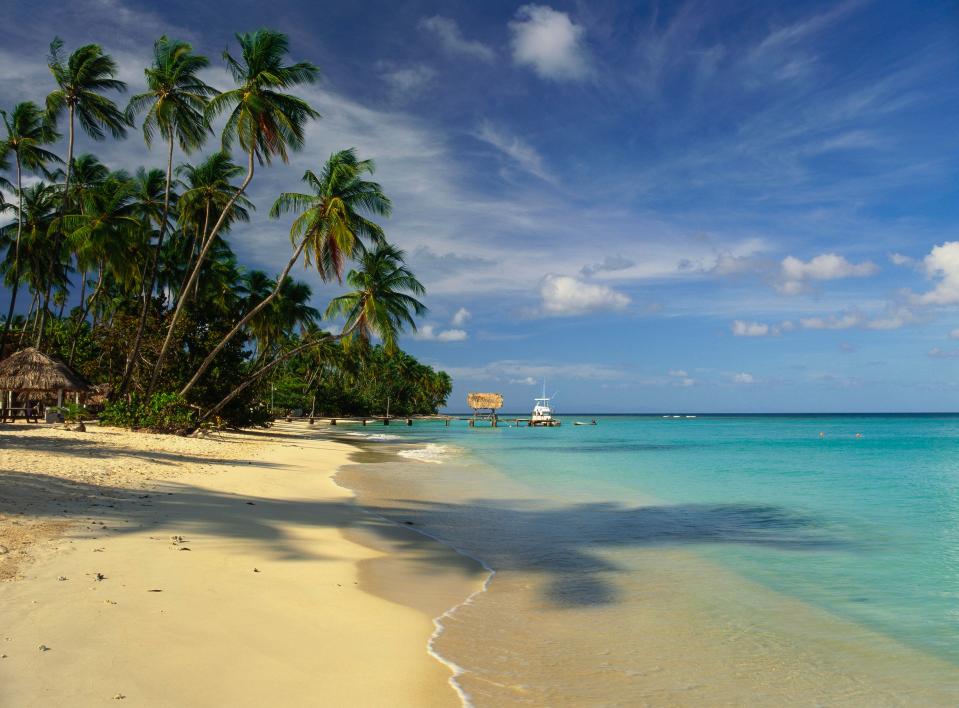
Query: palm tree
{"x": 27, "y": 132}
{"x": 382, "y": 302}
{"x": 99, "y": 235}
{"x": 207, "y": 192}
{"x": 329, "y": 228}
{"x": 36, "y": 261}
{"x": 265, "y": 121}
{"x": 81, "y": 80}
{"x": 176, "y": 102}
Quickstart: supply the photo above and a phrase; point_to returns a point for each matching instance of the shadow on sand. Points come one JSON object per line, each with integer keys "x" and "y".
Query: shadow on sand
{"x": 560, "y": 544}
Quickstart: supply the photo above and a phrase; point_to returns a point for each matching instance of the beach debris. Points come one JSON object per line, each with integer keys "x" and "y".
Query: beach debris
{"x": 4, "y": 549}
{"x": 184, "y": 548}
{"x": 256, "y": 570}
{"x": 409, "y": 523}
{"x": 43, "y": 647}
{"x": 252, "y": 503}
{"x": 119, "y": 697}
{"x": 62, "y": 577}
{"x": 154, "y": 591}
{"x": 110, "y": 602}
{"x": 3, "y": 656}
{"x": 98, "y": 550}
{"x": 176, "y": 539}
{"x": 99, "y": 576}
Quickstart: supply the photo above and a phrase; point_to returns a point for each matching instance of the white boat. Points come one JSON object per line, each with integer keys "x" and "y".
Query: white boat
{"x": 583, "y": 422}
{"x": 542, "y": 415}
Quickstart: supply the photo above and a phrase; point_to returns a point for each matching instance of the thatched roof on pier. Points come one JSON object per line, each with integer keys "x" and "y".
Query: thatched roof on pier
{"x": 32, "y": 370}
{"x": 477, "y": 401}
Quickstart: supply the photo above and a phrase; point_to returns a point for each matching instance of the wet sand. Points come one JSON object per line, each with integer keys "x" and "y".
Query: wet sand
{"x": 568, "y": 623}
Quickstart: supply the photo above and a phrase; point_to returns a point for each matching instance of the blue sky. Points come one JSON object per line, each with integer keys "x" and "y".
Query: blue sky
{"x": 685, "y": 206}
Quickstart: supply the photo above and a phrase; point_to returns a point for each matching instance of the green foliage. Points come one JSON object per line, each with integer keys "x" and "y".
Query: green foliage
{"x": 163, "y": 413}
{"x": 74, "y": 412}
{"x": 358, "y": 381}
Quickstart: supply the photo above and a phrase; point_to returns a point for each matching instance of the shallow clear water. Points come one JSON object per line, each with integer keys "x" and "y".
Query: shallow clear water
{"x": 865, "y": 528}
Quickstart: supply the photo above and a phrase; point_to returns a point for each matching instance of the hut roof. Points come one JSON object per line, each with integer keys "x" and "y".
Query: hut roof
{"x": 484, "y": 400}
{"x": 32, "y": 370}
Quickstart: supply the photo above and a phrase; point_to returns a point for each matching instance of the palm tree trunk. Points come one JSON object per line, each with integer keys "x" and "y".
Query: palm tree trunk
{"x": 242, "y": 323}
{"x": 196, "y": 271}
{"x": 199, "y": 240}
{"x": 151, "y": 281}
{"x": 16, "y": 258}
{"x": 83, "y": 315}
{"x": 27, "y": 321}
{"x": 267, "y": 367}
{"x": 43, "y": 312}
{"x": 83, "y": 287}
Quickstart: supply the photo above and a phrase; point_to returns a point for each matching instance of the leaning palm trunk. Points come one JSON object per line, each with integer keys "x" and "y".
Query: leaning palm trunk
{"x": 246, "y": 319}
{"x": 150, "y": 281}
{"x": 199, "y": 240}
{"x": 16, "y": 259}
{"x": 43, "y": 314}
{"x": 26, "y": 322}
{"x": 196, "y": 272}
{"x": 84, "y": 314}
{"x": 266, "y": 368}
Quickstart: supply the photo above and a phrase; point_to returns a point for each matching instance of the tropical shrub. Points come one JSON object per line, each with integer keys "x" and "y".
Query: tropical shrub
{"x": 162, "y": 413}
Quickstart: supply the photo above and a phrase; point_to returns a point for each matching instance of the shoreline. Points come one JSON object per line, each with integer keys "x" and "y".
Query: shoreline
{"x": 774, "y": 646}
{"x": 268, "y": 605}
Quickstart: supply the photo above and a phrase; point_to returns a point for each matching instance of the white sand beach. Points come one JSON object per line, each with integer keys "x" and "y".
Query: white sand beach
{"x": 157, "y": 570}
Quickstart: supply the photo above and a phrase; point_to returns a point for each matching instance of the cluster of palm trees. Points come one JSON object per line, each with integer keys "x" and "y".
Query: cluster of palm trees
{"x": 162, "y": 303}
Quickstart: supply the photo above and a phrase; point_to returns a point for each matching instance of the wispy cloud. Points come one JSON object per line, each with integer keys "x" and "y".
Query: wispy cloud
{"x": 409, "y": 81}
{"x": 521, "y": 153}
{"x": 452, "y": 40}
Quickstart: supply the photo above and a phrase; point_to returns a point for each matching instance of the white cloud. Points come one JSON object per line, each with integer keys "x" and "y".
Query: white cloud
{"x": 563, "y": 295}
{"x": 520, "y": 152}
{"x": 899, "y": 259}
{"x": 845, "y": 321}
{"x": 453, "y": 41}
{"x": 550, "y": 42}
{"x": 937, "y": 353}
{"x": 741, "y": 328}
{"x": 430, "y": 333}
{"x": 942, "y": 263}
{"x": 682, "y": 378}
{"x": 516, "y": 371}
{"x": 409, "y": 81}
{"x": 461, "y": 317}
{"x": 795, "y": 273}
{"x": 744, "y": 378}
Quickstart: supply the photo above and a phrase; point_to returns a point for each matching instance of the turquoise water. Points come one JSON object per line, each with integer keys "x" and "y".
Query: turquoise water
{"x": 864, "y": 527}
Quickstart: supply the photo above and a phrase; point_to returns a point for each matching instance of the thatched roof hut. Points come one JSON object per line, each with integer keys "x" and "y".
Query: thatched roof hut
{"x": 478, "y": 401}
{"x": 30, "y": 370}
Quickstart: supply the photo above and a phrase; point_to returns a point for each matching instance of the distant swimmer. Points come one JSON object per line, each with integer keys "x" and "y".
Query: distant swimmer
{"x": 821, "y": 435}
{"x": 858, "y": 435}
